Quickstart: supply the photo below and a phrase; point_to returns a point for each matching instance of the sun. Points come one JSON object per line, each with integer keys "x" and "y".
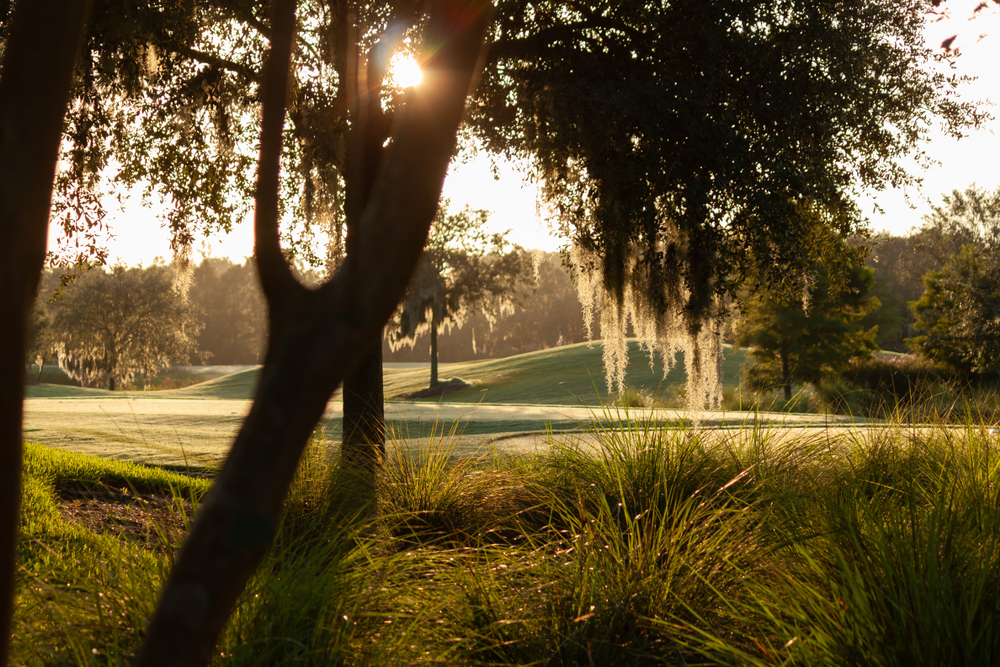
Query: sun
{"x": 404, "y": 72}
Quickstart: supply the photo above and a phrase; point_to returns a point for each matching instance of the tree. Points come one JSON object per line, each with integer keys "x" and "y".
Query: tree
{"x": 110, "y": 326}
{"x": 963, "y": 218}
{"x": 959, "y": 313}
{"x": 331, "y": 324}
{"x": 171, "y": 90}
{"x": 547, "y": 316}
{"x": 230, "y": 305}
{"x": 462, "y": 269}
{"x": 679, "y": 144}
{"x": 809, "y": 338}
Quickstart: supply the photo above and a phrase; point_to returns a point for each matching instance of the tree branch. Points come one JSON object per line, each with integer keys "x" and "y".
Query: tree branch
{"x": 41, "y": 49}
{"x": 215, "y": 61}
{"x": 276, "y": 276}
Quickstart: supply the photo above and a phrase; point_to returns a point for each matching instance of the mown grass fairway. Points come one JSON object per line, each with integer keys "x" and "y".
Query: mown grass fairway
{"x": 568, "y": 375}
{"x": 195, "y": 425}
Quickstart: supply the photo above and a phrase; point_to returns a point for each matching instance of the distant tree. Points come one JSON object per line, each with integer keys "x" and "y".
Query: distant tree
{"x": 805, "y": 339}
{"x": 547, "y": 316}
{"x": 963, "y": 218}
{"x": 463, "y": 269}
{"x": 41, "y": 343}
{"x": 958, "y": 315}
{"x": 110, "y": 326}
{"x": 230, "y": 306}
{"x": 900, "y": 263}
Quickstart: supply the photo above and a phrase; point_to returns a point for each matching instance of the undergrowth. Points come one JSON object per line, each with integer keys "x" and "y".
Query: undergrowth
{"x": 640, "y": 545}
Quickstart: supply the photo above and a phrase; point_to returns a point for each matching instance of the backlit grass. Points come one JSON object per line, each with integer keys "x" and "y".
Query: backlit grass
{"x": 652, "y": 546}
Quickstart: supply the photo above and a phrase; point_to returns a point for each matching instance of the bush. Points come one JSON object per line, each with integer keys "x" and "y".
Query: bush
{"x": 898, "y": 379}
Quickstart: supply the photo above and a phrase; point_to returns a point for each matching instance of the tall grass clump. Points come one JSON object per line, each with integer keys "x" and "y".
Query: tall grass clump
{"x": 903, "y": 567}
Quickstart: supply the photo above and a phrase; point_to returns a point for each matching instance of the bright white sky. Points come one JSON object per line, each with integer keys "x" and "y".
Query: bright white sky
{"x": 138, "y": 238}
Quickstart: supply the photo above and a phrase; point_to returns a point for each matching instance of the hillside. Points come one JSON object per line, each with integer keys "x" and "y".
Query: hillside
{"x": 567, "y": 375}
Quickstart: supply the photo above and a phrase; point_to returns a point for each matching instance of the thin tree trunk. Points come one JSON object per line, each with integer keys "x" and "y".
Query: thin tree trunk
{"x": 363, "y": 438}
{"x": 330, "y": 327}
{"x": 41, "y": 48}
{"x": 786, "y": 372}
{"x": 434, "y": 348}
{"x": 41, "y": 367}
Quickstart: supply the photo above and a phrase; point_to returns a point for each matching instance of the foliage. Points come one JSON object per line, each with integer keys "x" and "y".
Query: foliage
{"x": 112, "y": 325}
{"x": 963, "y": 218}
{"x": 462, "y": 270}
{"x": 959, "y": 313}
{"x": 535, "y": 322}
{"x": 688, "y": 149}
{"x": 230, "y": 308}
{"x": 806, "y": 340}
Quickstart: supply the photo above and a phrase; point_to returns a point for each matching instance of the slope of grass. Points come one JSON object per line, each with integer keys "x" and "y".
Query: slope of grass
{"x": 568, "y": 375}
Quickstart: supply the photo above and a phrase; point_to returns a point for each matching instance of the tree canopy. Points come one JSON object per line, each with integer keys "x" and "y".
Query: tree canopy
{"x": 110, "y": 326}
{"x": 462, "y": 270}
{"x": 689, "y": 148}
{"x": 958, "y": 315}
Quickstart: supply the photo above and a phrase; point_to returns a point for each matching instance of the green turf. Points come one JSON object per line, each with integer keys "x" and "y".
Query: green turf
{"x": 568, "y": 375}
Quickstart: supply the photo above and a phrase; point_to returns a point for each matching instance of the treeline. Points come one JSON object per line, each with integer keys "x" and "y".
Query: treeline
{"x": 939, "y": 287}
{"x": 937, "y": 290}
{"x": 115, "y": 326}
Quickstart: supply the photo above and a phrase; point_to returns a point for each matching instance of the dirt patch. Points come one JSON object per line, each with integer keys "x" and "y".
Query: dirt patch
{"x": 442, "y": 388}
{"x": 153, "y": 521}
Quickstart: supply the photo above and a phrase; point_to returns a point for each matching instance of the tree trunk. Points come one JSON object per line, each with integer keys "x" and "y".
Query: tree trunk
{"x": 111, "y": 383}
{"x": 331, "y": 327}
{"x": 41, "y": 367}
{"x": 363, "y": 440}
{"x": 786, "y": 372}
{"x": 434, "y": 348}
{"x": 41, "y": 47}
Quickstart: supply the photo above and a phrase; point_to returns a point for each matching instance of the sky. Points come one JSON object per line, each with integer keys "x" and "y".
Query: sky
{"x": 138, "y": 237}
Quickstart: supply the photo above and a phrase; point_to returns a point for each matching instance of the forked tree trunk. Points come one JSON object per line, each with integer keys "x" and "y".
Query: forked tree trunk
{"x": 316, "y": 336}
{"x": 41, "y": 48}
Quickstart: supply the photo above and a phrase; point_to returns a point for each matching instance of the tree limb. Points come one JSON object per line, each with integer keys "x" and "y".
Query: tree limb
{"x": 276, "y": 276}
{"x": 41, "y": 49}
{"x": 215, "y": 61}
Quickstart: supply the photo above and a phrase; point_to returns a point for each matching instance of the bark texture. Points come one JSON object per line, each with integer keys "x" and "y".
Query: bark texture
{"x": 317, "y": 336}
{"x": 40, "y": 52}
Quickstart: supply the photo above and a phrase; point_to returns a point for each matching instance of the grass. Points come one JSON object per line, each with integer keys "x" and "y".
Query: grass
{"x": 568, "y": 375}
{"x": 654, "y": 546}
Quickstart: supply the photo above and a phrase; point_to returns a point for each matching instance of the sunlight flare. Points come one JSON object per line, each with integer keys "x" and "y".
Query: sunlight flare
{"x": 405, "y": 72}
